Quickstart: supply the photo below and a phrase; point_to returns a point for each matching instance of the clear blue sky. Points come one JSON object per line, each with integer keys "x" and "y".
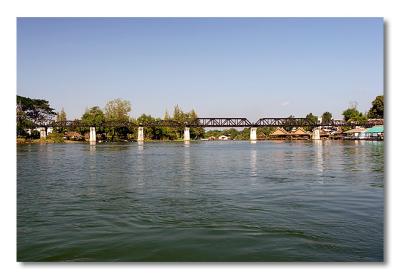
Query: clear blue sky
{"x": 229, "y": 67}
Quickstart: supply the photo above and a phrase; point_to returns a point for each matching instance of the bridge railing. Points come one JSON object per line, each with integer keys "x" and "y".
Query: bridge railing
{"x": 284, "y": 122}
{"x": 221, "y": 122}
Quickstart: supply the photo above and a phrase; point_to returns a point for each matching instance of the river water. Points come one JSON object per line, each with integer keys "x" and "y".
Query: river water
{"x": 203, "y": 201}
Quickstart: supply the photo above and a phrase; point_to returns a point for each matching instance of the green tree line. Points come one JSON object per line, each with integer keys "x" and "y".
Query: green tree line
{"x": 33, "y": 112}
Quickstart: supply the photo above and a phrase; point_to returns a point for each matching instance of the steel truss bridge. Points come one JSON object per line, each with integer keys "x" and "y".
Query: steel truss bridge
{"x": 213, "y": 122}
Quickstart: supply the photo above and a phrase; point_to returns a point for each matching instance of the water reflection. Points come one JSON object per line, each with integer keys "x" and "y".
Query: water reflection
{"x": 140, "y": 146}
{"x": 253, "y": 162}
{"x": 140, "y": 170}
{"x": 92, "y": 165}
{"x": 359, "y": 142}
{"x": 46, "y": 154}
{"x": 355, "y": 154}
{"x": 319, "y": 160}
{"x": 373, "y": 142}
{"x": 92, "y": 148}
{"x": 187, "y": 177}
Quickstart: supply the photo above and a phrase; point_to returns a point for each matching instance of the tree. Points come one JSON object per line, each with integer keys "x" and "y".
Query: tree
{"x": 185, "y": 118}
{"x": 244, "y": 135}
{"x": 178, "y": 115}
{"x": 31, "y": 113}
{"x": 232, "y": 133}
{"x": 61, "y": 116}
{"x": 168, "y": 133}
{"x": 22, "y": 121}
{"x": 149, "y": 132}
{"x": 93, "y": 117}
{"x": 377, "y": 109}
{"x": 214, "y": 133}
{"x": 353, "y": 115}
{"x": 117, "y": 110}
{"x": 37, "y": 111}
{"x": 312, "y": 118}
{"x": 326, "y": 117}
{"x": 197, "y": 132}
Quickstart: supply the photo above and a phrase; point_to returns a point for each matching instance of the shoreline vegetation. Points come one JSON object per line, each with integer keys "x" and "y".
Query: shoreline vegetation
{"x": 30, "y": 113}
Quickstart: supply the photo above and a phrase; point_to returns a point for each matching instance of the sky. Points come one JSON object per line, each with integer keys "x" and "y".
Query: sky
{"x": 220, "y": 67}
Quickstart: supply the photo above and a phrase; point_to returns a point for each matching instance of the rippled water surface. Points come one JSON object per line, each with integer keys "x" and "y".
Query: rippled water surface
{"x": 208, "y": 201}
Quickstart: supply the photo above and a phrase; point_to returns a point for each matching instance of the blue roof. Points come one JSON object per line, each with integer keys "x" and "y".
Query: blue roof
{"x": 375, "y": 129}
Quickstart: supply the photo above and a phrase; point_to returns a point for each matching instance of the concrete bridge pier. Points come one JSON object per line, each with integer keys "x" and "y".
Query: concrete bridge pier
{"x": 316, "y": 134}
{"x": 253, "y": 134}
{"x": 186, "y": 134}
{"x": 43, "y": 133}
{"x": 92, "y": 137}
{"x": 140, "y": 135}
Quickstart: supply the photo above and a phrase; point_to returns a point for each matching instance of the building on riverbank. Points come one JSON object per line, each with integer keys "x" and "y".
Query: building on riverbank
{"x": 298, "y": 133}
{"x": 279, "y": 134}
{"x": 360, "y": 133}
{"x": 355, "y": 133}
{"x": 373, "y": 133}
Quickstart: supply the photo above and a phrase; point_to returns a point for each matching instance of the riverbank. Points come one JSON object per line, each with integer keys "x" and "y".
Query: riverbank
{"x": 41, "y": 141}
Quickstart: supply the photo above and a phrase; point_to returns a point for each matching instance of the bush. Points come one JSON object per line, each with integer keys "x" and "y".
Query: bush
{"x": 56, "y": 137}
{"x": 35, "y": 134}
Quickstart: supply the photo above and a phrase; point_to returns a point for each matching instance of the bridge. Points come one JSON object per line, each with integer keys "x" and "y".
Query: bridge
{"x": 206, "y": 123}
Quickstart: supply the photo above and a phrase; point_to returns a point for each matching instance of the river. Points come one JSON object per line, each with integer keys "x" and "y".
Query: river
{"x": 203, "y": 201}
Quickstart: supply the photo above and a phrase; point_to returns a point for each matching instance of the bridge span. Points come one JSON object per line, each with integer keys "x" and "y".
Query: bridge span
{"x": 210, "y": 122}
